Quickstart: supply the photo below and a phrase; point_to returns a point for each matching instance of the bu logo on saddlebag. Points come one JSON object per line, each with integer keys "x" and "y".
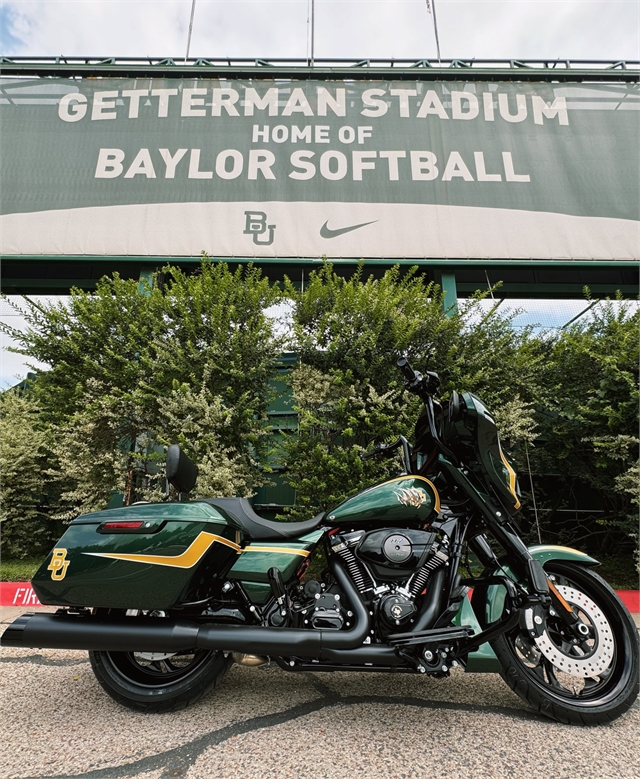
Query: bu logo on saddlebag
{"x": 59, "y": 564}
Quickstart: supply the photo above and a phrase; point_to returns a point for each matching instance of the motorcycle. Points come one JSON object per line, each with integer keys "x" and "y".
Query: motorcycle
{"x": 167, "y": 596}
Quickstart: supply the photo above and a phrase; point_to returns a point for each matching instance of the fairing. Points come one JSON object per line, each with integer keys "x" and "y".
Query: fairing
{"x": 476, "y": 431}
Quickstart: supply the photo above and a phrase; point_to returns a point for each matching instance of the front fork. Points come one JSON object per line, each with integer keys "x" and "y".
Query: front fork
{"x": 543, "y": 595}
{"x": 541, "y": 590}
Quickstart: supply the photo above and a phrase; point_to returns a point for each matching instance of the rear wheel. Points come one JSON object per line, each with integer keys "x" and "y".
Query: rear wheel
{"x": 159, "y": 681}
{"x": 586, "y": 681}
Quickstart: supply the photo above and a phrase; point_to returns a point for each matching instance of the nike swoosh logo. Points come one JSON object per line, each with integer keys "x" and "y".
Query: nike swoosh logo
{"x": 325, "y": 232}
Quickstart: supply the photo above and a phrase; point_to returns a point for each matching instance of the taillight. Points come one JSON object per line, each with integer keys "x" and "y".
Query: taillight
{"x": 121, "y": 525}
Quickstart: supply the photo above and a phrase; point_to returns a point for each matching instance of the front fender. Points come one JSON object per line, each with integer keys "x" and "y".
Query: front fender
{"x": 546, "y": 552}
{"x": 488, "y": 602}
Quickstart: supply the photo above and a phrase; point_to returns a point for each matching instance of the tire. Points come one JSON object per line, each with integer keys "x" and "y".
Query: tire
{"x": 157, "y": 682}
{"x": 571, "y": 695}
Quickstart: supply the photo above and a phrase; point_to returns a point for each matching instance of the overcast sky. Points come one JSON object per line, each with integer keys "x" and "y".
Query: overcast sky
{"x": 575, "y": 29}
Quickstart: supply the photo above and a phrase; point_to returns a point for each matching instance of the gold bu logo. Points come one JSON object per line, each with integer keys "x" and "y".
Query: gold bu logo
{"x": 59, "y": 564}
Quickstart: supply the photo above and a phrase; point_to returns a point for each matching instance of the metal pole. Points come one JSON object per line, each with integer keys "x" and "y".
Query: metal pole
{"x": 533, "y": 494}
{"x": 193, "y": 10}
{"x": 431, "y": 7}
{"x": 313, "y": 29}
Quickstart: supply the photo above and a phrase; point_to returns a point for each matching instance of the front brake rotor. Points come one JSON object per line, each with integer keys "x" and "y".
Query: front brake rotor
{"x": 597, "y": 658}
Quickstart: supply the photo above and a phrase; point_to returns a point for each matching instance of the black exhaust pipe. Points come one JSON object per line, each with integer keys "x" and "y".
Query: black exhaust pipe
{"x": 63, "y": 631}
{"x": 70, "y": 631}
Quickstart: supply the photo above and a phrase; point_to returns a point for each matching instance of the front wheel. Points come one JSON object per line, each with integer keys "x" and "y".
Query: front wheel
{"x": 583, "y": 682}
{"x": 159, "y": 681}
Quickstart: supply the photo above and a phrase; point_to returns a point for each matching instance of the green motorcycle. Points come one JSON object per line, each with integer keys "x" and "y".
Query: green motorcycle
{"x": 167, "y": 596}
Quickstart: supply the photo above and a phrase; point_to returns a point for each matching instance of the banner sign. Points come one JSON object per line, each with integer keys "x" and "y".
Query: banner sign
{"x": 18, "y": 594}
{"x": 259, "y": 168}
{"x": 22, "y": 594}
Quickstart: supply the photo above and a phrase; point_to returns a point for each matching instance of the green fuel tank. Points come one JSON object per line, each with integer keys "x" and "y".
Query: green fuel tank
{"x": 402, "y": 501}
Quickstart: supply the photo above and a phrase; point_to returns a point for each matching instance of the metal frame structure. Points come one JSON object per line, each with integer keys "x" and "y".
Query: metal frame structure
{"x": 422, "y": 69}
{"x": 39, "y": 275}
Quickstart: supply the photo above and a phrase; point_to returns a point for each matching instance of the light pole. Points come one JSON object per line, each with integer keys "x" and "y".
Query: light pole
{"x": 193, "y": 10}
{"x": 431, "y": 8}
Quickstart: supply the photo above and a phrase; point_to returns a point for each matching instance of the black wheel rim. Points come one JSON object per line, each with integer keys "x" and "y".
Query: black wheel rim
{"x": 567, "y": 687}
{"x": 157, "y": 670}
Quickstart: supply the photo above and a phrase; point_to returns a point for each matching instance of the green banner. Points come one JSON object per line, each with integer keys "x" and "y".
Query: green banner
{"x": 265, "y": 168}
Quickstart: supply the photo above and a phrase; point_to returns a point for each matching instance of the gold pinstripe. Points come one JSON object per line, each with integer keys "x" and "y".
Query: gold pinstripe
{"x": 512, "y": 477}
{"x": 276, "y": 550}
{"x": 186, "y": 559}
{"x": 553, "y": 548}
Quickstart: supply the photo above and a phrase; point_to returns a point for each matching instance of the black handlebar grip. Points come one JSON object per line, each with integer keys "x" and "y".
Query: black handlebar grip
{"x": 406, "y": 370}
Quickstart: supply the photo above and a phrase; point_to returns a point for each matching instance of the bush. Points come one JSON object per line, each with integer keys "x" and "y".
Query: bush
{"x": 25, "y": 458}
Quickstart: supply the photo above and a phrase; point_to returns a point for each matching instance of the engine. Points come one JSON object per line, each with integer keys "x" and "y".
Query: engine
{"x": 394, "y": 554}
{"x": 395, "y": 609}
{"x": 390, "y": 568}
{"x": 320, "y": 607}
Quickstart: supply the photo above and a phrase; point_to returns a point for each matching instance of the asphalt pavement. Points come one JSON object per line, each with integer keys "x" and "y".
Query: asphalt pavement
{"x": 264, "y": 723}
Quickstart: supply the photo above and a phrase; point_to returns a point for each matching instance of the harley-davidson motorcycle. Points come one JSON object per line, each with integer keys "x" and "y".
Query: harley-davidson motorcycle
{"x": 167, "y": 596}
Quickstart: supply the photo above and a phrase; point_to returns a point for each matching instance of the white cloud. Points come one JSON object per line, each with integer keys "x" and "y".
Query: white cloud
{"x": 576, "y": 29}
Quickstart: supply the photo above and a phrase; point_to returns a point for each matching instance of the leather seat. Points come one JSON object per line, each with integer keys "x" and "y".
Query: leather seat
{"x": 258, "y": 528}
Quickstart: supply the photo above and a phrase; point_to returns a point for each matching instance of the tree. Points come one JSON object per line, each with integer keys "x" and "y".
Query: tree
{"x": 199, "y": 422}
{"x": 217, "y": 339}
{"x": 25, "y": 455}
{"x": 590, "y": 426}
{"x": 133, "y": 366}
{"x": 348, "y": 392}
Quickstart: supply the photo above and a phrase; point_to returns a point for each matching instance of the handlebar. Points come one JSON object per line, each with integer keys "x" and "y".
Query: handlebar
{"x": 387, "y": 450}
{"x": 423, "y": 386}
{"x": 406, "y": 370}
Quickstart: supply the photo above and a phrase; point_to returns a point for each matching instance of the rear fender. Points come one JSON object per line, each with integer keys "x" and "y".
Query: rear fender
{"x": 487, "y": 603}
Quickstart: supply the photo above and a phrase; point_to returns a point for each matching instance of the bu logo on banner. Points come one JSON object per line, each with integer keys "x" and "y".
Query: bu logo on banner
{"x": 256, "y": 225}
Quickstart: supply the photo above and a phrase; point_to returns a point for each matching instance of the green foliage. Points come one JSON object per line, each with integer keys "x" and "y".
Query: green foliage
{"x": 349, "y": 394}
{"x": 135, "y": 367}
{"x": 25, "y": 453}
{"x": 590, "y": 423}
{"x": 199, "y": 421}
{"x": 499, "y": 363}
{"x": 94, "y": 450}
{"x": 516, "y": 421}
{"x": 22, "y": 570}
{"x": 357, "y": 325}
{"x": 338, "y": 421}
{"x": 95, "y": 339}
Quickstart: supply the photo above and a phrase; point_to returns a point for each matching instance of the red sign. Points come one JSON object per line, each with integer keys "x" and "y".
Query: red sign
{"x": 631, "y": 599}
{"x": 22, "y": 594}
{"x": 18, "y": 594}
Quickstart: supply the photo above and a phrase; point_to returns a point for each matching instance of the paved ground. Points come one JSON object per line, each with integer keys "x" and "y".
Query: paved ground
{"x": 265, "y": 723}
